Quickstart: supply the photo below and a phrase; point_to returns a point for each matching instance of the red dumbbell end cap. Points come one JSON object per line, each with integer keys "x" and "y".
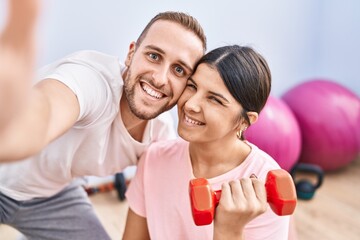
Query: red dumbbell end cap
{"x": 202, "y": 201}
{"x": 281, "y": 193}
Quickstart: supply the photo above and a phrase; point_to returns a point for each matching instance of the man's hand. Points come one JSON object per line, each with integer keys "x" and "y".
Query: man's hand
{"x": 17, "y": 47}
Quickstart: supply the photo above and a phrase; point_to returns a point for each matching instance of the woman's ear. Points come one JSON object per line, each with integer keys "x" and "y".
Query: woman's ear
{"x": 253, "y": 117}
{"x": 130, "y": 54}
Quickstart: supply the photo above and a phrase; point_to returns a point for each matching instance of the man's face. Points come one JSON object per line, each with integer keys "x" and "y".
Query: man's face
{"x": 159, "y": 67}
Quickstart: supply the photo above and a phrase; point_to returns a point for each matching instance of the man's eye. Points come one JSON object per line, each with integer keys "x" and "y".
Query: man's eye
{"x": 179, "y": 70}
{"x": 153, "y": 56}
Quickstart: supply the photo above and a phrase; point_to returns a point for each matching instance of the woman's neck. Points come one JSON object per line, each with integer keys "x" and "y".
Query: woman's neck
{"x": 211, "y": 160}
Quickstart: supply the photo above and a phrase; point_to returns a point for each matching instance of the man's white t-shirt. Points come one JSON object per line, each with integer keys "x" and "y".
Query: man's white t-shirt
{"x": 98, "y": 144}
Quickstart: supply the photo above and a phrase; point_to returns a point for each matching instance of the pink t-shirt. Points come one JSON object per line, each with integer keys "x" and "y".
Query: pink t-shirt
{"x": 160, "y": 192}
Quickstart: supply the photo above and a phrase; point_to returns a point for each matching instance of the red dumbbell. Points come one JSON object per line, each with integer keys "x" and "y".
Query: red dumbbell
{"x": 280, "y": 191}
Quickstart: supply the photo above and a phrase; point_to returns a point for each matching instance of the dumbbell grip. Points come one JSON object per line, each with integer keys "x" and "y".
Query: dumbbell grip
{"x": 217, "y": 197}
{"x": 280, "y": 191}
{"x": 273, "y": 191}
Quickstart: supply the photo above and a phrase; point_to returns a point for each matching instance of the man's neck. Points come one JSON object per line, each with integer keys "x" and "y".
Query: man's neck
{"x": 134, "y": 125}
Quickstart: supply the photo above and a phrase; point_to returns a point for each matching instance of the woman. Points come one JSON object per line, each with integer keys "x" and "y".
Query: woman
{"x": 222, "y": 99}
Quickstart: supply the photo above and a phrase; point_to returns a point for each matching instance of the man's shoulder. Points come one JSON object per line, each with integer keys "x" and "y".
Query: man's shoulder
{"x": 90, "y": 61}
{"x": 92, "y": 56}
{"x": 87, "y": 58}
{"x": 88, "y": 52}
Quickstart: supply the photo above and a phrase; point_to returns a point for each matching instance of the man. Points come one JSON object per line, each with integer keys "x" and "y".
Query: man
{"x": 90, "y": 115}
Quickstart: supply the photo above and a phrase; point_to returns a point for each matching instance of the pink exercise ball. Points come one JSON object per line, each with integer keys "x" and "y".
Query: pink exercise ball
{"x": 329, "y": 118}
{"x": 277, "y": 133}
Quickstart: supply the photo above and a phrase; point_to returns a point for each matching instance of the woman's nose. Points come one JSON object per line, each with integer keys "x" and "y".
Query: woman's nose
{"x": 193, "y": 104}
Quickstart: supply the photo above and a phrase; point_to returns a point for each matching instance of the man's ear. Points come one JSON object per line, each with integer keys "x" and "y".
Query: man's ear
{"x": 130, "y": 54}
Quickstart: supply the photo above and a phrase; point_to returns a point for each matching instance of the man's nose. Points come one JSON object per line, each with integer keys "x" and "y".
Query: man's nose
{"x": 161, "y": 76}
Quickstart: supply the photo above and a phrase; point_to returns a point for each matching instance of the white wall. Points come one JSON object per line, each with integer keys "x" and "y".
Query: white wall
{"x": 301, "y": 39}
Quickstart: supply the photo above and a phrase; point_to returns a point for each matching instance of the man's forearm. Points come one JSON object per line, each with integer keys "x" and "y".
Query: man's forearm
{"x": 16, "y": 57}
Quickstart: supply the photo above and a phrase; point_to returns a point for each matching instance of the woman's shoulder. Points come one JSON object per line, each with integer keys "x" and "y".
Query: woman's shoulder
{"x": 260, "y": 161}
{"x": 166, "y": 154}
{"x": 168, "y": 146}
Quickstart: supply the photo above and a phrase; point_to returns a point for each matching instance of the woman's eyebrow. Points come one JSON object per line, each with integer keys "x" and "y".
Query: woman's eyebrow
{"x": 211, "y": 92}
{"x": 219, "y": 95}
{"x": 192, "y": 80}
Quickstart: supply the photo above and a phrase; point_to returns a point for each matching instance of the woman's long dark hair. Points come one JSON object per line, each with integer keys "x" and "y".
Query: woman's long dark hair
{"x": 245, "y": 73}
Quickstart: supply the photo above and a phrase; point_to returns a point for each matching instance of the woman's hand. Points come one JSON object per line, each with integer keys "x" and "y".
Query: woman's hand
{"x": 241, "y": 201}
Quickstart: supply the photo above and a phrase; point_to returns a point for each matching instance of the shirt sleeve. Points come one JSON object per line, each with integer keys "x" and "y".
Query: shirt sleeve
{"x": 268, "y": 226}
{"x": 91, "y": 90}
{"x": 135, "y": 192}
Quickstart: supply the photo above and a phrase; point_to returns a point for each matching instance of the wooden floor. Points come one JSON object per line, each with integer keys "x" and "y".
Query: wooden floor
{"x": 333, "y": 213}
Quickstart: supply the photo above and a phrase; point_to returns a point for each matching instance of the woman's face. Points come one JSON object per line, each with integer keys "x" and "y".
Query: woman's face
{"x": 207, "y": 111}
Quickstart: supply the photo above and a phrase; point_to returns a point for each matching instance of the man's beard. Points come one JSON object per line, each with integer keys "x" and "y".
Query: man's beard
{"x": 136, "y": 110}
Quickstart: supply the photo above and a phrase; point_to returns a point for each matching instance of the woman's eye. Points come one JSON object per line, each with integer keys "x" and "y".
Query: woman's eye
{"x": 216, "y": 100}
{"x": 190, "y": 85}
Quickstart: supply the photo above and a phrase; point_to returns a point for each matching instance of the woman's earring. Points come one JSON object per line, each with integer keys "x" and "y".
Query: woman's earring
{"x": 239, "y": 133}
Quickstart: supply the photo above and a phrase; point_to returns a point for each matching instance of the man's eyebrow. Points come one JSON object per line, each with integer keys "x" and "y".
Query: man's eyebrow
{"x": 187, "y": 66}
{"x": 153, "y": 47}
